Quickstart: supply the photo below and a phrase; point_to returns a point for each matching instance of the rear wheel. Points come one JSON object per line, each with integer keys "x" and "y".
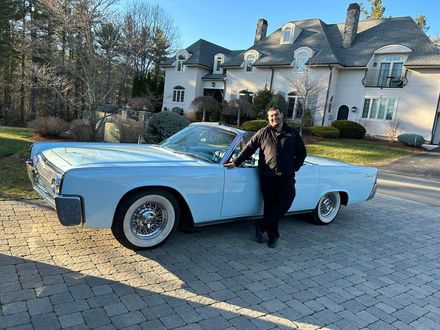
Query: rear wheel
{"x": 327, "y": 209}
{"x": 146, "y": 219}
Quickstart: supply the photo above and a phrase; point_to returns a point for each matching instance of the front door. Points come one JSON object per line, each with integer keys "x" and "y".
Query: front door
{"x": 342, "y": 113}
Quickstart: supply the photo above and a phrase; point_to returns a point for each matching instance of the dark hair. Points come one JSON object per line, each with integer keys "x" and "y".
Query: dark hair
{"x": 274, "y": 108}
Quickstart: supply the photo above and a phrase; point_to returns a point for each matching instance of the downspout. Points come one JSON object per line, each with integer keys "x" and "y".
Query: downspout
{"x": 436, "y": 118}
{"x": 271, "y": 78}
{"x": 327, "y": 94}
{"x": 224, "y": 84}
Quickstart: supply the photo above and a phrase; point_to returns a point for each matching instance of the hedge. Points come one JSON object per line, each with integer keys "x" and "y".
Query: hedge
{"x": 325, "y": 131}
{"x": 350, "y": 129}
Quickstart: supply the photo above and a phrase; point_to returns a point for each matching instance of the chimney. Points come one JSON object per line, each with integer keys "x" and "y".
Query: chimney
{"x": 261, "y": 30}
{"x": 351, "y": 24}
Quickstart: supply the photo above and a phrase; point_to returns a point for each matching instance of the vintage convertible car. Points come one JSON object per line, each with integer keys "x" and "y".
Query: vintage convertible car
{"x": 142, "y": 191}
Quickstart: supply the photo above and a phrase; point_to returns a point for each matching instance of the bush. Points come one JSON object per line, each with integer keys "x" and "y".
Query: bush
{"x": 80, "y": 130}
{"x": 164, "y": 124}
{"x": 261, "y": 101}
{"x": 413, "y": 140}
{"x": 350, "y": 129}
{"x": 254, "y": 125}
{"x": 128, "y": 130}
{"x": 208, "y": 104}
{"x": 230, "y": 111}
{"x": 325, "y": 131}
{"x": 48, "y": 126}
{"x": 296, "y": 125}
{"x": 279, "y": 102}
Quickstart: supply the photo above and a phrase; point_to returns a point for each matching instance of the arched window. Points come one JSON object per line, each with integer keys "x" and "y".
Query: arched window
{"x": 250, "y": 59}
{"x": 287, "y": 35}
{"x": 180, "y": 59}
{"x": 178, "y": 94}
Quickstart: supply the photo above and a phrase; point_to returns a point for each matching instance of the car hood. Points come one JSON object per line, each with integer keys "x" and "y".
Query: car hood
{"x": 67, "y": 157}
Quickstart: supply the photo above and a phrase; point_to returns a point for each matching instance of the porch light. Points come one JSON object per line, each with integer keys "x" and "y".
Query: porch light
{"x": 354, "y": 109}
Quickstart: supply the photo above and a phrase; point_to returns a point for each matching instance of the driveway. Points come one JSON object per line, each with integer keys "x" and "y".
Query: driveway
{"x": 375, "y": 267}
{"x": 414, "y": 178}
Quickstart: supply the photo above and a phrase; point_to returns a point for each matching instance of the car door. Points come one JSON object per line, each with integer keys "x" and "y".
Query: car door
{"x": 307, "y": 181}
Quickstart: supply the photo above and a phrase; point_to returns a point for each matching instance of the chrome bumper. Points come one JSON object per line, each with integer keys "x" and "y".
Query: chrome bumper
{"x": 69, "y": 208}
{"x": 373, "y": 192}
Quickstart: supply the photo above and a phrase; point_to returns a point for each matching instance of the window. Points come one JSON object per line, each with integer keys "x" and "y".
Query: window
{"x": 180, "y": 66}
{"x": 300, "y": 61}
{"x": 287, "y": 35}
{"x": 178, "y": 94}
{"x": 390, "y": 71}
{"x": 295, "y": 106}
{"x": 218, "y": 62}
{"x": 379, "y": 108}
{"x": 250, "y": 59}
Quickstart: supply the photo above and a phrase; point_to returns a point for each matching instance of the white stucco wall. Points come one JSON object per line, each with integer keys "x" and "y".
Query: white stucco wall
{"x": 190, "y": 79}
{"x": 416, "y": 102}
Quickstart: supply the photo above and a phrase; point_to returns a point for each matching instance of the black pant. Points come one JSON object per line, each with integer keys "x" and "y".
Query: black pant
{"x": 278, "y": 194}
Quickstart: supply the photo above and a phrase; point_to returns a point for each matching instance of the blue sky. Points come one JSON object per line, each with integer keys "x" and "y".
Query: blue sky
{"x": 232, "y": 23}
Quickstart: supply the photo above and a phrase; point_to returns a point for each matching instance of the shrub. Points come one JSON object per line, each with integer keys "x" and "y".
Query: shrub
{"x": 261, "y": 101}
{"x": 164, "y": 124}
{"x": 350, "y": 129}
{"x": 279, "y": 102}
{"x": 254, "y": 125}
{"x": 413, "y": 140}
{"x": 48, "y": 126}
{"x": 297, "y": 125}
{"x": 128, "y": 130}
{"x": 325, "y": 131}
{"x": 231, "y": 110}
{"x": 80, "y": 130}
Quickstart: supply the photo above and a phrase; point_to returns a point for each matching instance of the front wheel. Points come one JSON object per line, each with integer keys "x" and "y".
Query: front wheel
{"x": 145, "y": 219}
{"x": 327, "y": 209}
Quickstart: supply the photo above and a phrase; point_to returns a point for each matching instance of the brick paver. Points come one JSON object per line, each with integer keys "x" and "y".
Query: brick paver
{"x": 375, "y": 267}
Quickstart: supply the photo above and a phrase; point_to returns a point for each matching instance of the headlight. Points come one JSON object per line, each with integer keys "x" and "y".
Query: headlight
{"x": 56, "y": 185}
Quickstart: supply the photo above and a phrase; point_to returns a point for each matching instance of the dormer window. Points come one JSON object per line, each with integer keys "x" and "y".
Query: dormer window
{"x": 180, "y": 59}
{"x": 287, "y": 35}
{"x": 302, "y": 55}
{"x": 250, "y": 59}
{"x": 218, "y": 61}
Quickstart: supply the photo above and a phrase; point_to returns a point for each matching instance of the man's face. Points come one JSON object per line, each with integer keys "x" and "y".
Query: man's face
{"x": 275, "y": 118}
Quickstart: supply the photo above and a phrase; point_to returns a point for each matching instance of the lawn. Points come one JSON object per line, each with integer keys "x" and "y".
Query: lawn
{"x": 360, "y": 152}
{"x": 15, "y": 142}
{"x": 14, "y": 181}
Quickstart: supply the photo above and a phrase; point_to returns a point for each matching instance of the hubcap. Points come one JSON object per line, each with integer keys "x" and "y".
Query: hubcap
{"x": 327, "y": 205}
{"x": 148, "y": 220}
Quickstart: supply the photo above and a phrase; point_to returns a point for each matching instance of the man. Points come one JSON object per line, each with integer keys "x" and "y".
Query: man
{"x": 282, "y": 153}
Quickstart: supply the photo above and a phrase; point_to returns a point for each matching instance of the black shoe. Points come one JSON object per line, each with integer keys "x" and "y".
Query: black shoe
{"x": 272, "y": 243}
{"x": 259, "y": 236}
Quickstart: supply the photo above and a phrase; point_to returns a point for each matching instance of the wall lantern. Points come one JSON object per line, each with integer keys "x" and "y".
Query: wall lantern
{"x": 354, "y": 109}
{"x": 213, "y": 84}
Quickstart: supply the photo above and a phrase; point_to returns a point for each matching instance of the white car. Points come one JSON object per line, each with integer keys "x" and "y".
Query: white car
{"x": 143, "y": 191}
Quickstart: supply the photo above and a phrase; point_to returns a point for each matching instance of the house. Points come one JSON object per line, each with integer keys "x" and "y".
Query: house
{"x": 383, "y": 74}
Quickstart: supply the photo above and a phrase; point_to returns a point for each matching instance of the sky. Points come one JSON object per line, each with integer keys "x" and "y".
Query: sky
{"x": 232, "y": 23}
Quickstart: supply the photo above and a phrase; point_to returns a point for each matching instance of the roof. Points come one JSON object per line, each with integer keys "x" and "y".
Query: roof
{"x": 202, "y": 52}
{"x": 326, "y": 41}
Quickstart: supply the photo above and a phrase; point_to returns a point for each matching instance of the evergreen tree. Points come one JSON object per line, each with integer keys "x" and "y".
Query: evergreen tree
{"x": 376, "y": 11}
{"x": 421, "y": 21}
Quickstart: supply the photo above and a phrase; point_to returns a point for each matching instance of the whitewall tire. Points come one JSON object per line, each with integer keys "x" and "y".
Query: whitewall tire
{"x": 327, "y": 208}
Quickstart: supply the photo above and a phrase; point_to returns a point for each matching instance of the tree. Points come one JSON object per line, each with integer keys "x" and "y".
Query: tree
{"x": 421, "y": 21}
{"x": 376, "y": 10}
{"x": 207, "y": 106}
{"x": 280, "y": 102}
{"x": 261, "y": 101}
{"x": 240, "y": 108}
{"x": 309, "y": 89}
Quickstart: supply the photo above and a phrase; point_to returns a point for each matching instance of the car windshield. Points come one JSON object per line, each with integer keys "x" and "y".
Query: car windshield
{"x": 202, "y": 142}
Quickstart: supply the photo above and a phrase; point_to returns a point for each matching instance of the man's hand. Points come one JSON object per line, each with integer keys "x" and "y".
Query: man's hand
{"x": 229, "y": 165}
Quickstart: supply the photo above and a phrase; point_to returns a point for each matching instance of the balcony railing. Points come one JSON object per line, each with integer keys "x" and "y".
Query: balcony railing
{"x": 376, "y": 78}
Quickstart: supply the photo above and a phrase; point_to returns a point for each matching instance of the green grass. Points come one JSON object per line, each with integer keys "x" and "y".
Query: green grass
{"x": 14, "y": 181}
{"x": 360, "y": 152}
